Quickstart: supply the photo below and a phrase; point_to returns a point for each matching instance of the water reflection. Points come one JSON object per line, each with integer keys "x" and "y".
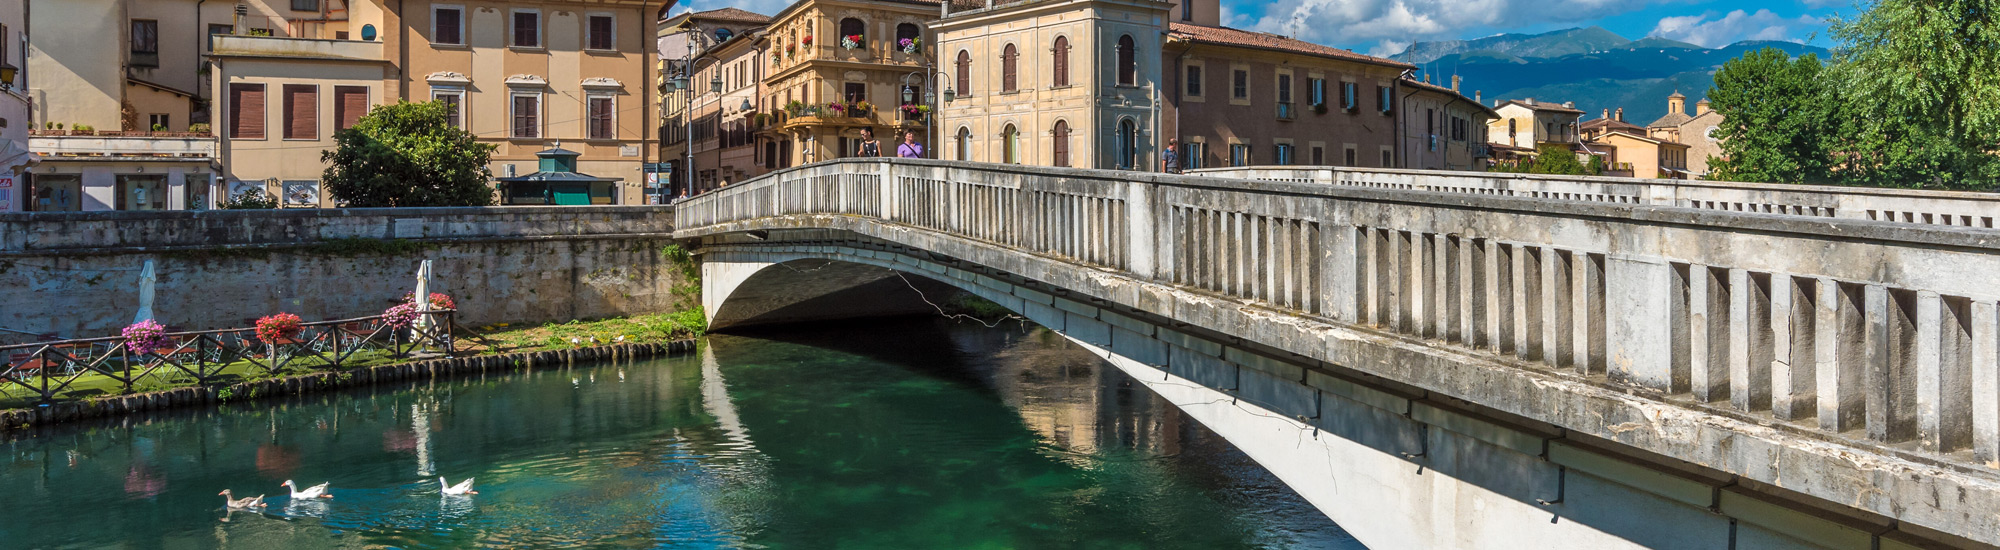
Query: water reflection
{"x": 899, "y": 434}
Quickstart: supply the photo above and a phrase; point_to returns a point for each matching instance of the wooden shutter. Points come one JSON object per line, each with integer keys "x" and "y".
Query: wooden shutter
{"x": 527, "y": 109}
{"x": 1007, "y": 69}
{"x": 1062, "y": 61}
{"x": 600, "y": 118}
{"x": 527, "y": 29}
{"x": 349, "y": 103}
{"x": 445, "y": 26}
{"x": 301, "y": 111}
{"x": 964, "y": 73}
{"x": 246, "y": 111}
{"x": 1061, "y": 147}
{"x": 600, "y": 33}
{"x": 1127, "y": 62}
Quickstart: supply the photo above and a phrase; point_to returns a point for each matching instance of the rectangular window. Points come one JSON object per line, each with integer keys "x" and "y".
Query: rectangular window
{"x": 448, "y": 25}
{"x": 1194, "y": 81}
{"x": 455, "y": 99}
{"x": 527, "y": 115}
{"x": 602, "y": 109}
{"x": 1283, "y": 154}
{"x": 855, "y": 92}
{"x": 1194, "y": 155}
{"x": 1387, "y": 158}
{"x": 1319, "y": 156}
{"x": 1316, "y": 91}
{"x": 603, "y": 32}
{"x": 349, "y": 103}
{"x": 305, "y": 5}
{"x": 159, "y": 122}
{"x": 222, "y": 29}
{"x": 1348, "y": 101}
{"x": 145, "y": 43}
{"x": 1241, "y": 88}
{"x": 142, "y": 192}
{"x": 1239, "y": 154}
{"x": 246, "y": 111}
{"x": 1350, "y": 157}
{"x": 1385, "y": 98}
{"x": 1284, "y": 88}
{"x": 527, "y": 29}
{"x": 301, "y": 111}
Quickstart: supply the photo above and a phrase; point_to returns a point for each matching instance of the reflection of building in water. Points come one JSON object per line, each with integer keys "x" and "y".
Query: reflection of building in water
{"x": 1078, "y": 403}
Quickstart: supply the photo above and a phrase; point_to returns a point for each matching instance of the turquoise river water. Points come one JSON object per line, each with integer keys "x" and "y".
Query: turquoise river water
{"x": 892, "y": 434}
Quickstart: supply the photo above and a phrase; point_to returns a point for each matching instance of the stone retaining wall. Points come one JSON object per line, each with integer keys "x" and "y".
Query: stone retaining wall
{"x": 70, "y": 411}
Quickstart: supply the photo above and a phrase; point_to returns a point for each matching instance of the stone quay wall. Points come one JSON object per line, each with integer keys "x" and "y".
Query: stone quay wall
{"x": 77, "y": 274}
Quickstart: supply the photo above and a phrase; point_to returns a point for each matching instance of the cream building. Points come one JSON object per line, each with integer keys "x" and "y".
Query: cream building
{"x": 682, "y": 39}
{"x": 1696, "y": 132}
{"x": 1058, "y": 83}
{"x": 15, "y": 158}
{"x": 810, "y": 68}
{"x": 1527, "y": 123}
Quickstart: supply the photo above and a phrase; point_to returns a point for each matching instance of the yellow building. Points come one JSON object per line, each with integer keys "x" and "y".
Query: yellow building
{"x": 1635, "y": 155}
{"x": 1062, "y": 83}
{"x": 821, "y": 87}
{"x": 525, "y": 75}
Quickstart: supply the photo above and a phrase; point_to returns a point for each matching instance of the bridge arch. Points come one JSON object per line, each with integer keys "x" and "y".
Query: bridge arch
{"x": 760, "y": 288}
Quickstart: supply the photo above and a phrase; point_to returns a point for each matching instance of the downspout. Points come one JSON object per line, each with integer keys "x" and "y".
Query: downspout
{"x": 1402, "y": 120}
{"x": 649, "y": 42}
{"x": 1180, "y": 87}
{"x": 402, "y": 54}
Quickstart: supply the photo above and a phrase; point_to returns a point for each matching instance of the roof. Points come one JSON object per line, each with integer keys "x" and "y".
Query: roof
{"x": 1672, "y": 120}
{"x": 1610, "y": 124}
{"x": 1426, "y": 86}
{"x": 1225, "y": 36}
{"x": 732, "y": 14}
{"x": 1538, "y": 106}
{"x": 1641, "y": 138}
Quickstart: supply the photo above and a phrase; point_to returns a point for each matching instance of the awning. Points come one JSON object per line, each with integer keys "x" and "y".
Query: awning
{"x": 17, "y": 158}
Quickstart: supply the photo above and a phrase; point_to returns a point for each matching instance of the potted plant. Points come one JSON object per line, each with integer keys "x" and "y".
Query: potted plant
{"x": 279, "y": 327}
{"x": 852, "y": 41}
{"x": 837, "y": 109}
{"x": 146, "y": 337}
{"x": 1319, "y": 108}
{"x": 862, "y": 108}
{"x": 808, "y": 40}
{"x": 791, "y": 50}
{"x": 910, "y": 45}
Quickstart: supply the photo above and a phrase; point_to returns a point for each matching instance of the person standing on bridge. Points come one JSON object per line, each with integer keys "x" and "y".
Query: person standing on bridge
{"x": 1170, "y": 160}
{"x": 870, "y": 147}
{"x": 910, "y": 149}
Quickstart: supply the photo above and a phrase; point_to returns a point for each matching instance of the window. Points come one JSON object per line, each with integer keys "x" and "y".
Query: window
{"x": 1060, "y": 63}
{"x": 455, "y": 99}
{"x": 142, "y": 192}
{"x": 1187, "y": 10}
{"x": 1195, "y": 155}
{"x": 1350, "y": 157}
{"x": 1010, "y": 140}
{"x": 1240, "y": 88}
{"x": 1348, "y": 91}
{"x": 1239, "y": 154}
{"x": 1316, "y": 89}
{"x": 851, "y": 27}
{"x": 964, "y": 73}
{"x": 223, "y": 29}
{"x": 527, "y": 115}
{"x": 603, "y": 110}
{"x": 159, "y": 122}
{"x": 447, "y": 25}
{"x": 1319, "y": 155}
{"x": 1282, "y": 154}
{"x": 349, "y": 103}
{"x": 1194, "y": 81}
{"x": 964, "y": 143}
{"x": 1385, "y": 99}
{"x": 1285, "y": 96}
{"x": 1059, "y": 143}
{"x": 57, "y": 193}
{"x": 1387, "y": 158}
{"x": 246, "y": 111}
{"x": 1128, "y": 145}
{"x": 603, "y": 31}
{"x": 301, "y": 110}
{"x": 305, "y": 5}
{"x": 145, "y": 43}
{"x": 527, "y": 29}
{"x": 907, "y": 31}
{"x": 1128, "y": 61}
{"x": 1007, "y": 56}
{"x": 855, "y": 92}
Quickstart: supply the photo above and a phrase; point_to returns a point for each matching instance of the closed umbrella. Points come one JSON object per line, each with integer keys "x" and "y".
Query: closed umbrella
{"x": 146, "y": 281}
{"x": 423, "y": 295}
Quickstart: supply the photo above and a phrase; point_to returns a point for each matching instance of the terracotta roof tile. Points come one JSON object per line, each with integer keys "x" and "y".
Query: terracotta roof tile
{"x": 1414, "y": 83}
{"x": 1226, "y": 36}
{"x": 733, "y": 14}
{"x": 1540, "y": 106}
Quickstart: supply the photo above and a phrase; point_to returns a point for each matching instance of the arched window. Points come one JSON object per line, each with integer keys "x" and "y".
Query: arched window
{"x": 907, "y": 31}
{"x": 1128, "y": 144}
{"x": 964, "y": 73}
{"x": 1128, "y": 62}
{"x": 1059, "y": 143}
{"x": 1007, "y": 57}
{"x": 1061, "y": 62}
{"x": 964, "y": 143}
{"x": 1010, "y": 142}
{"x": 851, "y": 27}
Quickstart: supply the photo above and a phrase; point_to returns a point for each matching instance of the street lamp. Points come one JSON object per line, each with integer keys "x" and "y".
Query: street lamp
{"x": 910, "y": 97}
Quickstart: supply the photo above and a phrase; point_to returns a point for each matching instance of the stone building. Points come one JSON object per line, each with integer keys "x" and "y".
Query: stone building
{"x": 683, "y": 38}
{"x": 1059, "y": 83}
{"x": 1243, "y": 98}
{"x": 1441, "y": 129}
{"x": 834, "y": 67}
{"x": 1696, "y": 132}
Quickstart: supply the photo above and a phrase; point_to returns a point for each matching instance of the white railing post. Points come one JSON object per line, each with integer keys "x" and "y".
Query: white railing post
{"x": 1641, "y": 310}
{"x": 1139, "y": 237}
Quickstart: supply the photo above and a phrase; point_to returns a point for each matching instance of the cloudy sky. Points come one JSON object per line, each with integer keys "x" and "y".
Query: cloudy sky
{"x": 1384, "y": 27}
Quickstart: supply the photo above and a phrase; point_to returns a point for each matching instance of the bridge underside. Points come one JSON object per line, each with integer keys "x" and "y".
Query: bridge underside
{"x": 1394, "y": 464}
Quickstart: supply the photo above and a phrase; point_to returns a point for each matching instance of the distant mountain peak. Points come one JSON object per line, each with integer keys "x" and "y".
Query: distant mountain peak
{"x": 1549, "y": 44}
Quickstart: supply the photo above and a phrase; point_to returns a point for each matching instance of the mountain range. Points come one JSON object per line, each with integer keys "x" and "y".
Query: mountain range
{"x": 1595, "y": 68}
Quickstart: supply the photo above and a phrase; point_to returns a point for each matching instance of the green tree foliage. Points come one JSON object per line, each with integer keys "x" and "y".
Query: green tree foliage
{"x": 1923, "y": 79}
{"x": 406, "y": 155}
{"x": 1557, "y": 159}
{"x": 1779, "y": 116}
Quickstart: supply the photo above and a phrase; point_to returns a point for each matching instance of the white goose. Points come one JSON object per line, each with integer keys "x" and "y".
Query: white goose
{"x": 462, "y": 488}
{"x": 313, "y": 492}
{"x": 245, "y": 503}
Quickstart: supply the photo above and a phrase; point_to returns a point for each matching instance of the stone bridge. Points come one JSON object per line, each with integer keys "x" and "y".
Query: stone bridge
{"x": 1443, "y": 360}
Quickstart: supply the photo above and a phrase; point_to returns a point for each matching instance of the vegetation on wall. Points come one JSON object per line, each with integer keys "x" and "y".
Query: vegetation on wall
{"x": 408, "y": 155}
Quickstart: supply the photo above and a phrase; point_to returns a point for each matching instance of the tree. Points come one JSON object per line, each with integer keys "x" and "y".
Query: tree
{"x": 1557, "y": 159}
{"x": 1778, "y": 119}
{"x": 1924, "y": 81}
{"x": 407, "y": 155}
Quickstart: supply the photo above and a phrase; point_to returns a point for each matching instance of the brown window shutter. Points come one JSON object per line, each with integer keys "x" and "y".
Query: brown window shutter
{"x": 526, "y": 31}
{"x": 600, "y": 118}
{"x": 526, "y": 117}
{"x": 349, "y": 103}
{"x": 301, "y": 111}
{"x": 446, "y": 27}
{"x": 1062, "y": 61}
{"x": 600, "y": 33}
{"x": 246, "y": 111}
{"x": 964, "y": 73}
{"x": 1007, "y": 69}
{"x": 1061, "y": 143}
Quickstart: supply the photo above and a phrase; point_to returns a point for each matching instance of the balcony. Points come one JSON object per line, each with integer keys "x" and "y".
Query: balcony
{"x": 142, "y": 146}
{"x": 295, "y": 48}
{"x": 1286, "y": 111}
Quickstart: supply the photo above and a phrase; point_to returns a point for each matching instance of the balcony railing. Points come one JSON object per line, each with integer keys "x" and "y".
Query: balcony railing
{"x": 122, "y": 144}
{"x": 1286, "y": 111}
{"x": 304, "y": 48}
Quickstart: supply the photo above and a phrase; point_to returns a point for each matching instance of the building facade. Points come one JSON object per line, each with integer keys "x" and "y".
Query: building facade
{"x": 1243, "y": 98}
{"x": 725, "y": 148}
{"x": 1069, "y": 83}
{"x": 1640, "y": 156}
{"x": 821, "y": 87}
{"x": 1529, "y": 124}
{"x": 682, "y": 39}
{"x": 1697, "y": 132}
{"x": 1442, "y": 129}
{"x": 16, "y": 192}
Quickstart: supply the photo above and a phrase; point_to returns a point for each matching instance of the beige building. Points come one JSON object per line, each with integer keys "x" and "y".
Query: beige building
{"x": 1696, "y": 132}
{"x": 524, "y": 75}
{"x": 1061, "y": 83}
{"x": 682, "y": 39}
{"x": 1441, "y": 128}
{"x": 1529, "y": 124}
{"x": 16, "y": 192}
{"x": 1638, "y": 155}
{"x": 822, "y": 88}
{"x": 725, "y": 146}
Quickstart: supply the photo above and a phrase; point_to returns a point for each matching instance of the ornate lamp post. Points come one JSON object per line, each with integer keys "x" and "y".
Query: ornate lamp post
{"x": 930, "y": 99}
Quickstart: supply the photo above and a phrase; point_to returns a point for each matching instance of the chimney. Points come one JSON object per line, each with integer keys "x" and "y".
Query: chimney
{"x": 1701, "y": 107}
{"x": 1530, "y": 101}
{"x": 1569, "y": 104}
{"x": 1607, "y": 114}
{"x": 1621, "y": 114}
{"x": 1476, "y": 98}
{"x": 1427, "y": 78}
{"x": 1455, "y": 81}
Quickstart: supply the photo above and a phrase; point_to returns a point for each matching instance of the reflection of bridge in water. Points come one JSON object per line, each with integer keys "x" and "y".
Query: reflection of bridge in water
{"x": 1659, "y": 366}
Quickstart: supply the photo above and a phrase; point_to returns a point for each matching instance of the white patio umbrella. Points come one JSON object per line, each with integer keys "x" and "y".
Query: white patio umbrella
{"x": 423, "y": 295}
{"x": 146, "y": 282}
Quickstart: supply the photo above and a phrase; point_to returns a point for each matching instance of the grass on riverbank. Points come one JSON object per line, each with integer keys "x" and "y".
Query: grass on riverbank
{"x": 660, "y": 327}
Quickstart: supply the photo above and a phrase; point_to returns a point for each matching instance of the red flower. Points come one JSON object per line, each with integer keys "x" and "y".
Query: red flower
{"x": 274, "y": 328}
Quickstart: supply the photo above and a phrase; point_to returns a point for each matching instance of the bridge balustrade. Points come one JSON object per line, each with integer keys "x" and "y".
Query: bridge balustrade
{"x": 1783, "y": 305}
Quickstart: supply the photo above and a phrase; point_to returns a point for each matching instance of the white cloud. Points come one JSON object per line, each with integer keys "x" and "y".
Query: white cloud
{"x": 1736, "y": 26}
{"x": 1398, "y": 22}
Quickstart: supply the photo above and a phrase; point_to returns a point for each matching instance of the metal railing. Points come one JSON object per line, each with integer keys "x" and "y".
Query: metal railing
{"x": 51, "y": 369}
